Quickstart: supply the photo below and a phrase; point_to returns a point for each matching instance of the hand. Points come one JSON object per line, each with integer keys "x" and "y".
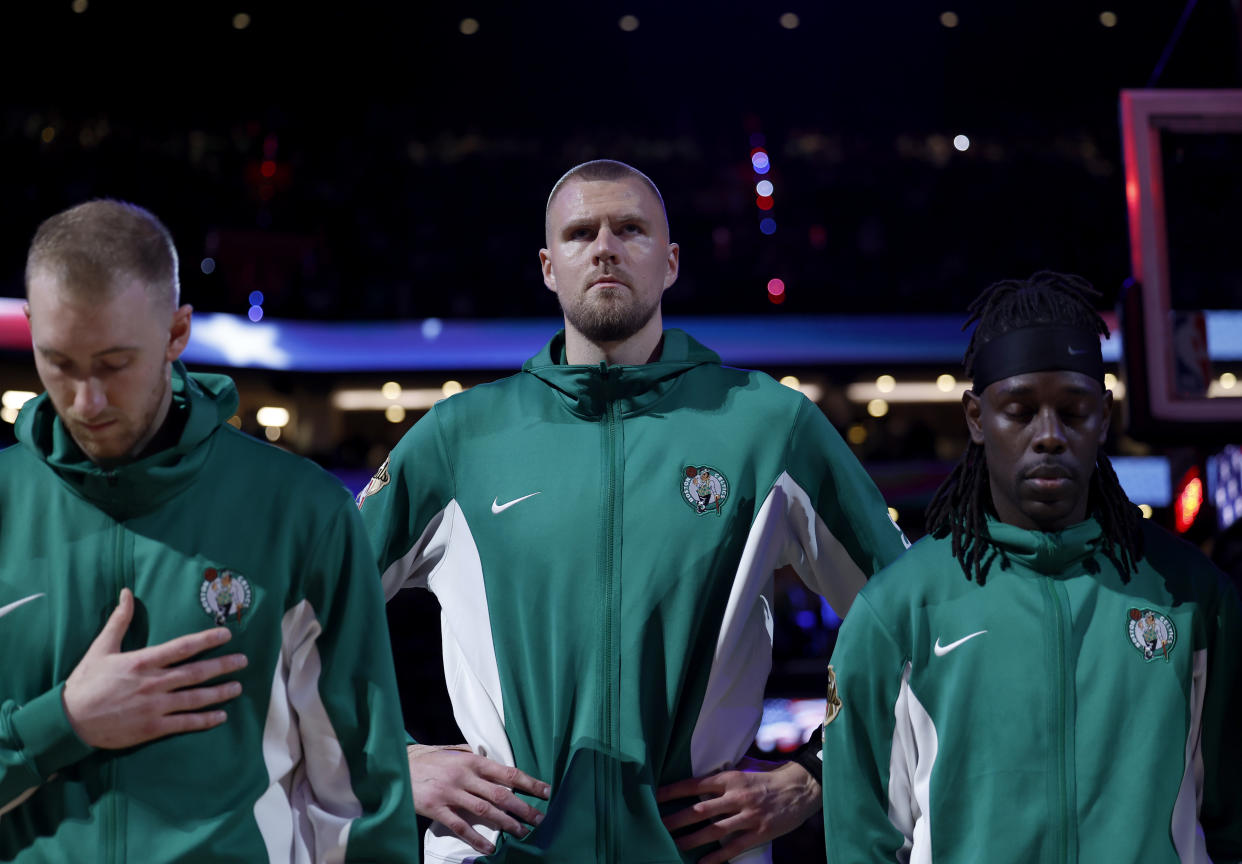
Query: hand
{"x": 457, "y": 788}
{"x": 116, "y": 699}
{"x": 742, "y": 809}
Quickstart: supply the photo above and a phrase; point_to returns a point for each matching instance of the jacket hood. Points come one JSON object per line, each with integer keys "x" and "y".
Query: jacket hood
{"x": 588, "y": 390}
{"x": 1050, "y": 553}
{"x": 133, "y": 488}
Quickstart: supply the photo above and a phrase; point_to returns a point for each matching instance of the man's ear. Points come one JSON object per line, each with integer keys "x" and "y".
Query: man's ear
{"x": 178, "y": 333}
{"x": 545, "y": 264}
{"x": 972, "y": 407}
{"x": 674, "y": 265}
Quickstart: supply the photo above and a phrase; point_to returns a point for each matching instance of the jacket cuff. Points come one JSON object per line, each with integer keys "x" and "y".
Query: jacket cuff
{"x": 47, "y": 739}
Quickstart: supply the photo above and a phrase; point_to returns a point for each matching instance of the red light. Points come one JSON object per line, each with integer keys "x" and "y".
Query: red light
{"x": 758, "y": 150}
{"x": 1189, "y": 500}
{"x": 764, "y": 202}
{"x": 268, "y": 168}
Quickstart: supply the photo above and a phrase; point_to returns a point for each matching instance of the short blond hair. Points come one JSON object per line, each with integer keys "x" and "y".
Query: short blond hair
{"x": 600, "y": 169}
{"x": 94, "y": 247}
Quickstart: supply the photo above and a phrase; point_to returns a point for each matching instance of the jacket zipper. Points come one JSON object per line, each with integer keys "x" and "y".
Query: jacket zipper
{"x": 113, "y": 845}
{"x": 1062, "y": 827}
{"x": 610, "y": 676}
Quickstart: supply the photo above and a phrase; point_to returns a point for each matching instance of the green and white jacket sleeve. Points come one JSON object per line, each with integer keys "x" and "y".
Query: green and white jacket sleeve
{"x": 841, "y": 523}
{"x": 36, "y": 741}
{"x": 408, "y": 507}
{"x": 343, "y": 690}
{"x": 1220, "y": 812}
{"x": 870, "y": 814}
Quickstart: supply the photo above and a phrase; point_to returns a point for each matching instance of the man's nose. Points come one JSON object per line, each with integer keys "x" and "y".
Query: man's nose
{"x": 89, "y": 399}
{"x": 1049, "y": 432}
{"x": 607, "y": 245}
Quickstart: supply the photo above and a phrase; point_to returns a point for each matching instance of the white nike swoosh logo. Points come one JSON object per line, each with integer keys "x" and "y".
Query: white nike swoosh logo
{"x": 5, "y": 610}
{"x": 942, "y": 650}
{"x": 497, "y": 507}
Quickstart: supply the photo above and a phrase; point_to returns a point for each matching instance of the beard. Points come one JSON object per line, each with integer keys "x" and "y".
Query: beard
{"x": 608, "y": 316}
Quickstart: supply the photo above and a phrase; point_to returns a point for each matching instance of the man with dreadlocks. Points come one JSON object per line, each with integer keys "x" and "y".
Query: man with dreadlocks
{"x": 1047, "y": 677}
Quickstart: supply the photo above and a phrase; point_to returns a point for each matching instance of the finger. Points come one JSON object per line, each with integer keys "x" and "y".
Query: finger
{"x": 710, "y": 834}
{"x": 192, "y": 674}
{"x": 697, "y": 812}
{"x": 462, "y": 829}
{"x": 200, "y": 697}
{"x": 507, "y": 775}
{"x": 176, "y": 724}
{"x": 109, "y": 639}
{"x": 690, "y": 788}
{"x": 732, "y": 849}
{"x": 183, "y": 647}
{"x": 504, "y": 802}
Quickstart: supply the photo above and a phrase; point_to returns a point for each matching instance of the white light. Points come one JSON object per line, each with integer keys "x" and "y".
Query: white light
{"x": 15, "y": 399}
{"x": 468, "y": 26}
{"x": 1228, "y": 380}
{"x": 961, "y": 142}
{"x": 394, "y": 413}
{"x": 949, "y": 19}
{"x": 877, "y": 407}
{"x": 270, "y": 415}
{"x": 763, "y": 187}
{"x": 432, "y": 328}
{"x": 1146, "y": 510}
{"x": 907, "y": 391}
{"x": 241, "y": 344}
{"x": 208, "y": 266}
{"x": 886, "y": 383}
{"x": 791, "y": 381}
{"x": 241, "y": 21}
{"x": 235, "y": 421}
{"x": 450, "y": 388}
{"x": 79, "y": 6}
{"x": 411, "y": 399}
{"x": 1108, "y": 19}
{"x": 893, "y": 514}
{"x": 8, "y": 415}
{"x": 272, "y": 433}
{"x": 946, "y": 383}
{"x": 391, "y": 390}
{"x": 790, "y": 21}
{"x": 628, "y": 23}
{"x": 1110, "y": 380}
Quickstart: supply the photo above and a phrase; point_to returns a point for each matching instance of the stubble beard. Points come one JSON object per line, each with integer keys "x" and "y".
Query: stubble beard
{"x": 608, "y": 315}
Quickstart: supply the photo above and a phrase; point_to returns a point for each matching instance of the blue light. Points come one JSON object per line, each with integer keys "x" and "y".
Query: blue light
{"x": 760, "y": 162}
{"x": 255, "y": 313}
{"x": 256, "y": 298}
{"x": 805, "y": 619}
{"x": 828, "y": 614}
{"x": 208, "y": 266}
{"x": 768, "y": 225}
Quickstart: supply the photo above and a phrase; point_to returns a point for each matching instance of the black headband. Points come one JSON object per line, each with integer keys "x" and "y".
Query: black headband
{"x": 1039, "y": 348}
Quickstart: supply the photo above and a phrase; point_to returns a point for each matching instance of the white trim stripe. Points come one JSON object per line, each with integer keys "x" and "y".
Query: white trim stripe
{"x": 308, "y": 808}
{"x": 1184, "y": 828}
{"x": 914, "y": 751}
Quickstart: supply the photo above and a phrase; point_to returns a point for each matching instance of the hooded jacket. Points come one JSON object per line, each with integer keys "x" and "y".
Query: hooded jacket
{"x": 1054, "y": 714}
{"x": 216, "y": 529}
{"x": 602, "y": 541}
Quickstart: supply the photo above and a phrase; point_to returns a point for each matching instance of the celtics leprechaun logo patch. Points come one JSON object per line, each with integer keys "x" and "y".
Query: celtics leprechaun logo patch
{"x": 375, "y": 484}
{"x": 1152, "y": 633}
{"x": 224, "y": 593}
{"x": 704, "y": 488}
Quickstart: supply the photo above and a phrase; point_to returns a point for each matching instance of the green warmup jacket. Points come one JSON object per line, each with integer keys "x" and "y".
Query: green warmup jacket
{"x": 218, "y": 528}
{"x": 1055, "y": 714}
{"x": 602, "y": 540}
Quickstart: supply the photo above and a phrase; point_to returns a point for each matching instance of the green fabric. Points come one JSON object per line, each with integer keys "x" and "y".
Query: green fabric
{"x": 607, "y": 590}
{"x": 76, "y": 534}
{"x": 1055, "y": 738}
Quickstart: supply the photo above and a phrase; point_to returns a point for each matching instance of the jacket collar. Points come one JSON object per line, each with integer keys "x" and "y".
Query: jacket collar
{"x": 133, "y": 488}
{"x": 587, "y": 391}
{"x": 1046, "y": 552}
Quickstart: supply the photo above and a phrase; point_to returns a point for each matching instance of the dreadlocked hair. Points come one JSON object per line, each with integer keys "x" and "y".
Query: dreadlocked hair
{"x": 961, "y": 504}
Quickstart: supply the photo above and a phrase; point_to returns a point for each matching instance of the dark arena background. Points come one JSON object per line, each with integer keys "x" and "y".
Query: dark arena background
{"x": 356, "y": 191}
